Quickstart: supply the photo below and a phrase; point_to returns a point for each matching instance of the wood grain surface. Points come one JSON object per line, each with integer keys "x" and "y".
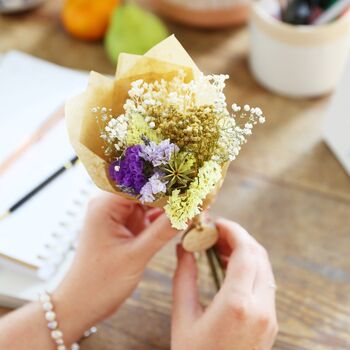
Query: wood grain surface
{"x": 286, "y": 188}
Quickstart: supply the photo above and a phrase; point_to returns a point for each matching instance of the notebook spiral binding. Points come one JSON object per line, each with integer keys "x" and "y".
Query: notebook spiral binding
{"x": 64, "y": 238}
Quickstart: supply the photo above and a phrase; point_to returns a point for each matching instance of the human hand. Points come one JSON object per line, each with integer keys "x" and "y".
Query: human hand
{"x": 118, "y": 239}
{"x": 242, "y": 315}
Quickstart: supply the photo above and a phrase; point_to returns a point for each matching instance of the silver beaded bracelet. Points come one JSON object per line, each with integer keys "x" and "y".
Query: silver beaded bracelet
{"x": 55, "y": 332}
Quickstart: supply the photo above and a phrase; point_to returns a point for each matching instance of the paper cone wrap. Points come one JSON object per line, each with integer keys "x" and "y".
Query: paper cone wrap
{"x": 162, "y": 62}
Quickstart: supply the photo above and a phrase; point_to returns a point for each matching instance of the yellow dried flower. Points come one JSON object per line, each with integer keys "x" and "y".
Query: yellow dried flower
{"x": 196, "y": 130}
{"x": 182, "y": 208}
{"x": 138, "y": 128}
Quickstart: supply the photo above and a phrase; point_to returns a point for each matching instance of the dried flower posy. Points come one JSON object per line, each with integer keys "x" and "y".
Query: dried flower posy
{"x": 169, "y": 143}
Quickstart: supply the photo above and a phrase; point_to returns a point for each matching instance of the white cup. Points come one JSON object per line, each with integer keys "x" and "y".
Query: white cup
{"x": 297, "y": 61}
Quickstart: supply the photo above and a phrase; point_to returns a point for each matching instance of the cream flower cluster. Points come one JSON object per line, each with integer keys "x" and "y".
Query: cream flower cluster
{"x": 182, "y": 208}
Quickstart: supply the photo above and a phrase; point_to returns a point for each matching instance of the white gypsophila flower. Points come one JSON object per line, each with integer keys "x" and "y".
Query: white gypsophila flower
{"x": 236, "y": 108}
{"x": 233, "y": 136}
{"x": 176, "y": 95}
{"x": 217, "y": 81}
{"x": 116, "y": 131}
{"x": 173, "y": 98}
{"x": 129, "y": 106}
{"x": 137, "y": 88}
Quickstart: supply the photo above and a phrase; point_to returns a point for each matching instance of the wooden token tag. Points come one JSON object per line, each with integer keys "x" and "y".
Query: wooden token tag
{"x": 200, "y": 239}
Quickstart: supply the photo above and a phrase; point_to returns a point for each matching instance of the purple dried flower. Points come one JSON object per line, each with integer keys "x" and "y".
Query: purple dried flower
{"x": 158, "y": 154}
{"x": 128, "y": 172}
{"x": 154, "y": 186}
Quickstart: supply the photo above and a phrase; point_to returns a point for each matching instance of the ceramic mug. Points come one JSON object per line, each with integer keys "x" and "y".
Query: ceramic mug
{"x": 297, "y": 61}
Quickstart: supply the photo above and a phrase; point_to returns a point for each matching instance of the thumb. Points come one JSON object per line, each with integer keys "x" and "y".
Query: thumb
{"x": 154, "y": 237}
{"x": 186, "y": 305}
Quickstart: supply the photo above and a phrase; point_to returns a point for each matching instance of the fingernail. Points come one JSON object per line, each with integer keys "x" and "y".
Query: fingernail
{"x": 179, "y": 251}
{"x": 153, "y": 214}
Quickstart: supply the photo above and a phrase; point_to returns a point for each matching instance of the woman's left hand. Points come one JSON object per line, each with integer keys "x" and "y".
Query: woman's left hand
{"x": 118, "y": 239}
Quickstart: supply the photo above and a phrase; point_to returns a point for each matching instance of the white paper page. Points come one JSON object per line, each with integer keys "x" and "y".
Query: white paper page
{"x": 17, "y": 287}
{"x": 29, "y": 233}
{"x": 25, "y": 103}
{"x": 38, "y": 163}
{"x": 30, "y": 91}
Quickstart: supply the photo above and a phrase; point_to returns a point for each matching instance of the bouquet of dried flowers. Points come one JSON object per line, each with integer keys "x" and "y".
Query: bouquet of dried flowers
{"x": 161, "y": 132}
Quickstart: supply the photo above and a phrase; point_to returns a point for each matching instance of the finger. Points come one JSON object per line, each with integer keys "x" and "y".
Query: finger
{"x": 105, "y": 211}
{"x": 142, "y": 217}
{"x": 111, "y": 206}
{"x": 241, "y": 271}
{"x": 264, "y": 284}
{"x": 122, "y": 208}
{"x": 137, "y": 220}
{"x": 233, "y": 234}
{"x": 154, "y": 237}
{"x": 224, "y": 259}
{"x": 223, "y": 247}
{"x": 154, "y": 213}
{"x": 186, "y": 305}
{"x": 242, "y": 264}
{"x": 264, "y": 295}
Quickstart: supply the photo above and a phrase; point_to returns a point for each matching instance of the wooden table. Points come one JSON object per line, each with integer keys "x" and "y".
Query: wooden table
{"x": 286, "y": 188}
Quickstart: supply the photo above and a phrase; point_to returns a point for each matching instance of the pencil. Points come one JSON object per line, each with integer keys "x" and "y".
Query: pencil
{"x": 38, "y": 188}
{"x": 35, "y": 137}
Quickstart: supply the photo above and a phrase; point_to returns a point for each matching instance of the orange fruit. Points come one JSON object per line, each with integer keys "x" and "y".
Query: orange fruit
{"x": 87, "y": 19}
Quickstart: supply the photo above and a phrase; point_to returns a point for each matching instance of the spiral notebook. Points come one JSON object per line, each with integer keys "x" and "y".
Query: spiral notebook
{"x": 38, "y": 235}
{"x": 37, "y": 240}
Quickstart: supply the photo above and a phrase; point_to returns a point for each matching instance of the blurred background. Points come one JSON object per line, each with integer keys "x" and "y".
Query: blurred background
{"x": 290, "y": 186}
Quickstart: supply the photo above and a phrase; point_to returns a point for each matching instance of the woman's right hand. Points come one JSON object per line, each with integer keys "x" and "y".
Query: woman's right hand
{"x": 242, "y": 315}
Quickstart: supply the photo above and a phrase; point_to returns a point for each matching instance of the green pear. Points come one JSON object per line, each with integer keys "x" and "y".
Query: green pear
{"x": 133, "y": 30}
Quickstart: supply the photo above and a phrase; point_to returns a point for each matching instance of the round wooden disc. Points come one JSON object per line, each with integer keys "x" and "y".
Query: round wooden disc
{"x": 196, "y": 240}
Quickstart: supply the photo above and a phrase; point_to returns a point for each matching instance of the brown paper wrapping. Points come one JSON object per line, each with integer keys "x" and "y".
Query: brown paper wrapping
{"x": 163, "y": 61}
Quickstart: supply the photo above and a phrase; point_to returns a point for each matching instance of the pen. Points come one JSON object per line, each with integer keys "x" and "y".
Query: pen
{"x": 332, "y": 13}
{"x": 39, "y": 187}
